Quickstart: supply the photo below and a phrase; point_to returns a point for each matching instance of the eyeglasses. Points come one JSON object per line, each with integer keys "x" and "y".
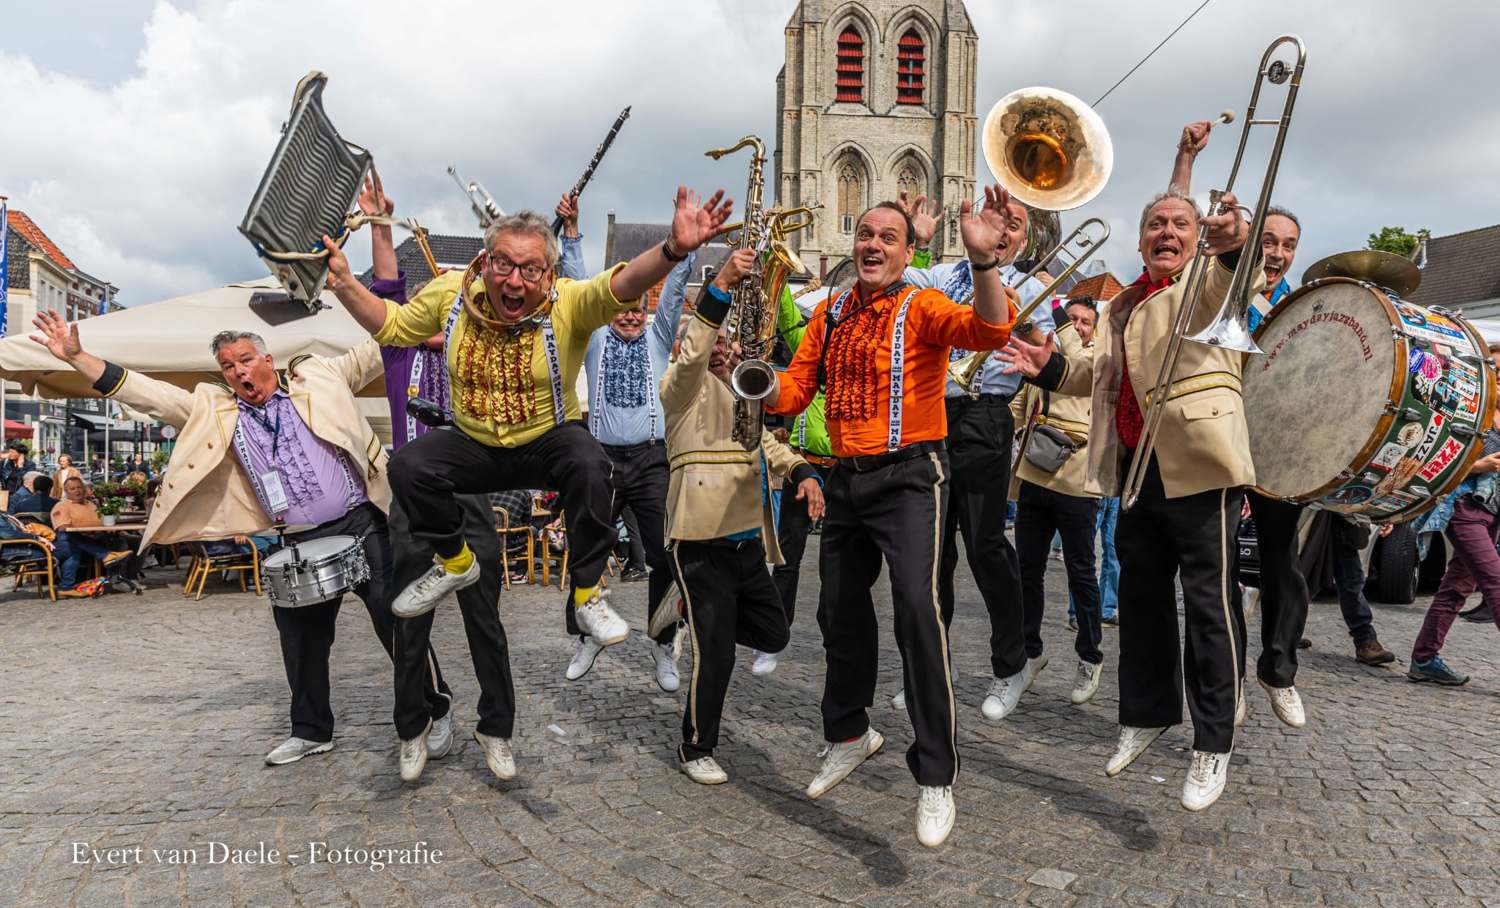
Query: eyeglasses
{"x": 503, "y": 267}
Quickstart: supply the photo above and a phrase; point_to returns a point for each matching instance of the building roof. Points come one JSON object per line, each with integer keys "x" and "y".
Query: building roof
{"x": 450, "y": 252}
{"x": 630, "y": 240}
{"x": 1099, "y": 287}
{"x": 28, "y": 229}
{"x": 1461, "y": 268}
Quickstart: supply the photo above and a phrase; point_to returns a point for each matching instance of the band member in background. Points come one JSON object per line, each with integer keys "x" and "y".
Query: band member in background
{"x": 980, "y": 433}
{"x": 624, "y": 362}
{"x": 719, "y": 520}
{"x": 284, "y": 461}
{"x": 420, "y": 371}
{"x": 512, "y": 377}
{"x": 1185, "y": 519}
{"x": 808, "y": 437}
{"x": 880, "y": 351}
{"x": 1052, "y": 499}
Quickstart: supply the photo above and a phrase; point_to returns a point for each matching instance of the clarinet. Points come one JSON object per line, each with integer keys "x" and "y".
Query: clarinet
{"x": 588, "y": 173}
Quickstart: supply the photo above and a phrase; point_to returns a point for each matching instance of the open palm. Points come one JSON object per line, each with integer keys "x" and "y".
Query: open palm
{"x": 59, "y": 337}
{"x": 694, "y": 224}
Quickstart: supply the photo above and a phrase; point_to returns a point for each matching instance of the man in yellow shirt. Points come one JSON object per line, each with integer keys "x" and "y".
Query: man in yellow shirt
{"x": 514, "y": 340}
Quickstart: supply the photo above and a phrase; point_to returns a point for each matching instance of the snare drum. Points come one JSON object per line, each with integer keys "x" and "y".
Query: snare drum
{"x": 327, "y": 569}
{"x": 1365, "y": 403}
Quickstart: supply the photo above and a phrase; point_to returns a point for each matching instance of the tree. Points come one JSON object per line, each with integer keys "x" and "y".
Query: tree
{"x": 1394, "y": 239}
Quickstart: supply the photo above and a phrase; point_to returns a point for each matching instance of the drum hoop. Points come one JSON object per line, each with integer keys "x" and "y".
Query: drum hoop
{"x": 1398, "y": 376}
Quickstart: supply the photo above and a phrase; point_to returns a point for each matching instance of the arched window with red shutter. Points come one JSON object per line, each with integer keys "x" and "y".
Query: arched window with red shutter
{"x": 910, "y": 57}
{"x": 850, "y": 79}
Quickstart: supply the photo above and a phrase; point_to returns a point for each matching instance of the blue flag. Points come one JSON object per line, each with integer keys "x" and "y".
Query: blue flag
{"x": 104, "y": 300}
{"x": 4, "y": 268}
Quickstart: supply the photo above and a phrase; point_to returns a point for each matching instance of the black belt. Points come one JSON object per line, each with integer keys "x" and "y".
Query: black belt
{"x": 864, "y": 463}
{"x": 988, "y": 400}
{"x": 629, "y": 450}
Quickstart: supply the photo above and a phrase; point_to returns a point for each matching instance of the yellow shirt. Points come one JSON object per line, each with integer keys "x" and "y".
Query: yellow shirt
{"x": 492, "y": 403}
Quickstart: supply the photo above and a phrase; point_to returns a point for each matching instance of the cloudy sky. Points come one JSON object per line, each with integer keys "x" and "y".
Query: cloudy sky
{"x": 136, "y": 131}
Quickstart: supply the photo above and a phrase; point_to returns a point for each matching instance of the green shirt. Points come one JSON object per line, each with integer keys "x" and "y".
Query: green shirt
{"x": 810, "y": 431}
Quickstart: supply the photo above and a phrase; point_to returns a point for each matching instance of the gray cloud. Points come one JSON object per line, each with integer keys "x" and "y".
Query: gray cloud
{"x": 140, "y": 156}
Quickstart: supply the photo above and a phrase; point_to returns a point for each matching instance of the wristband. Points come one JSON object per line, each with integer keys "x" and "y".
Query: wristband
{"x": 668, "y": 253}
{"x": 991, "y": 264}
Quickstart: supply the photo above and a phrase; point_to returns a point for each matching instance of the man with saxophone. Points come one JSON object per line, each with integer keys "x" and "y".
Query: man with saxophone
{"x": 880, "y": 350}
{"x": 1188, "y": 510}
{"x": 980, "y": 432}
{"x": 719, "y": 519}
{"x": 624, "y": 363}
{"x": 515, "y": 338}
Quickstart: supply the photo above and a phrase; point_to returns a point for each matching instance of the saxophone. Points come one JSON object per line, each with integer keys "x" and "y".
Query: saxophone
{"x": 752, "y": 312}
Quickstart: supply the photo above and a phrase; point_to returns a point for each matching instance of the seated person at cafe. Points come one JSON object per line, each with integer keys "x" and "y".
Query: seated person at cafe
{"x": 70, "y": 548}
{"x": 34, "y": 497}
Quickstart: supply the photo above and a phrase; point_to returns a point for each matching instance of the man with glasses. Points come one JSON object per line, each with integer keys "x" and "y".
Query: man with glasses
{"x": 514, "y": 342}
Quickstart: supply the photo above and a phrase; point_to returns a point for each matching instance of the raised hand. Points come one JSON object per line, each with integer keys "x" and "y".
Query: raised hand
{"x": 1027, "y": 359}
{"x": 372, "y": 199}
{"x": 58, "y": 336}
{"x": 1195, "y": 137}
{"x": 567, "y": 209}
{"x": 923, "y": 213}
{"x": 735, "y": 268}
{"x": 694, "y": 224}
{"x": 982, "y": 231}
{"x": 1227, "y": 231}
{"x": 338, "y": 265}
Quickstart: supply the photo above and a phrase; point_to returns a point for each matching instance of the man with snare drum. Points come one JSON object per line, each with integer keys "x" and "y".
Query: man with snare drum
{"x": 256, "y": 453}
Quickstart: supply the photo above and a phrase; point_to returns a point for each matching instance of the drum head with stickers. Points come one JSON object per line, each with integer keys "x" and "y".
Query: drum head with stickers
{"x": 1314, "y": 400}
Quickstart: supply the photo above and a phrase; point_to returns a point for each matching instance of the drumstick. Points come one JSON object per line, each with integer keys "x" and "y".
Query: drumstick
{"x": 1226, "y": 117}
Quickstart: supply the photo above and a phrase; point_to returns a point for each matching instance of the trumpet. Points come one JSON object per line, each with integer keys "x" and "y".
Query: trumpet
{"x": 1230, "y": 328}
{"x": 1047, "y": 148}
{"x": 479, "y": 199}
{"x": 965, "y": 372}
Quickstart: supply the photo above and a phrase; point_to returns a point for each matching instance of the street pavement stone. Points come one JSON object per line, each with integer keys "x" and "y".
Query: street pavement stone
{"x": 139, "y": 723}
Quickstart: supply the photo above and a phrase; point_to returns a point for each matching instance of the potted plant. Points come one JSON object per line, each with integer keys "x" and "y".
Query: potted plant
{"x": 109, "y": 510}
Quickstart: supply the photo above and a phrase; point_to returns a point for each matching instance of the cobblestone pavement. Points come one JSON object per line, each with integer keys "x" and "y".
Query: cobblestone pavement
{"x": 139, "y": 724}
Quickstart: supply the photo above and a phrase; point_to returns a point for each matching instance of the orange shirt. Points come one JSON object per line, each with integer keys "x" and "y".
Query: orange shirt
{"x": 858, "y": 366}
{"x": 75, "y": 514}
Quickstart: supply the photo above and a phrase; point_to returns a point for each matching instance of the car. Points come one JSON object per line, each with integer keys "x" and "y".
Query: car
{"x": 1395, "y": 574}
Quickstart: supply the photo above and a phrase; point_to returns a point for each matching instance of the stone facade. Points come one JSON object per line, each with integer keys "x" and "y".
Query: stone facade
{"x": 875, "y": 96}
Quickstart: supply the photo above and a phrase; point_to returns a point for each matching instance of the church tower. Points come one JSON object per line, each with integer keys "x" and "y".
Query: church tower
{"x": 875, "y": 97}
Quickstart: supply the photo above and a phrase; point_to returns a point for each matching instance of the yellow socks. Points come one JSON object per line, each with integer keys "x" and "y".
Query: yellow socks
{"x": 459, "y": 563}
{"x": 583, "y": 594}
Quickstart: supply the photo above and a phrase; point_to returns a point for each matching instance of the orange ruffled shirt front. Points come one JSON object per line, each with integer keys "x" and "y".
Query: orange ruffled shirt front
{"x": 858, "y": 367}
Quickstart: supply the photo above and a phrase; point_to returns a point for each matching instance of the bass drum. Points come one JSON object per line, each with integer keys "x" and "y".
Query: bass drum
{"x": 1364, "y": 403}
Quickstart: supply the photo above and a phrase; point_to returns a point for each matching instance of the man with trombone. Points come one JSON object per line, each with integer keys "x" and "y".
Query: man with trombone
{"x": 980, "y": 432}
{"x": 880, "y": 349}
{"x": 1188, "y": 507}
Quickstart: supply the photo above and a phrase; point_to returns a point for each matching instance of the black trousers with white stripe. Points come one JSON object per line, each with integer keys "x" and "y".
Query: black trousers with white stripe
{"x": 892, "y": 514}
{"x": 728, "y": 598}
{"x": 480, "y": 604}
{"x": 1283, "y": 591}
{"x": 1157, "y": 540}
{"x": 307, "y": 633}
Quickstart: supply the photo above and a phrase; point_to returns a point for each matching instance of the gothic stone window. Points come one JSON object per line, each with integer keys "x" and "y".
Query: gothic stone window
{"x": 851, "y": 67}
{"x": 909, "y": 68}
{"x": 851, "y": 194}
{"x": 908, "y": 182}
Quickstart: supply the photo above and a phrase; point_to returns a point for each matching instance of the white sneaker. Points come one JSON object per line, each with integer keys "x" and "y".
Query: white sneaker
{"x": 899, "y": 701}
{"x": 293, "y": 749}
{"x": 414, "y": 756}
{"x": 497, "y": 755}
{"x": 1133, "y": 742}
{"x": 667, "y": 677}
{"x": 1205, "y": 780}
{"x": 1031, "y": 669}
{"x": 765, "y": 663}
{"x": 424, "y": 593}
{"x": 935, "y": 814}
{"x": 1087, "y": 682}
{"x": 583, "y": 658}
{"x": 1286, "y": 704}
{"x": 668, "y": 612}
{"x": 1241, "y": 706}
{"x": 1005, "y": 693}
{"x": 599, "y": 621}
{"x": 440, "y": 738}
{"x": 704, "y": 771}
{"x": 841, "y": 759}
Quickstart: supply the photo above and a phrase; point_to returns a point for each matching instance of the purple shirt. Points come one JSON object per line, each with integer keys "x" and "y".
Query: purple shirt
{"x": 316, "y": 479}
{"x": 401, "y": 369}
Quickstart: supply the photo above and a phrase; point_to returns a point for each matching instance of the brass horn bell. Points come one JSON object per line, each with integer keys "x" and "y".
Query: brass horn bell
{"x": 1047, "y": 148}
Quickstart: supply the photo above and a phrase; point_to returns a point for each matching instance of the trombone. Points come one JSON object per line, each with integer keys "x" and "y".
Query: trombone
{"x": 1084, "y": 244}
{"x": 1230, "y": 328}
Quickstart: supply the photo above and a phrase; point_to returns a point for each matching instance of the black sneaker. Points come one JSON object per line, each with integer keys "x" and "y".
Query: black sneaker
{"x": 633, "y": 575}
{"x": 1479, "y": 614}
{"x": 1436, "y": 670}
